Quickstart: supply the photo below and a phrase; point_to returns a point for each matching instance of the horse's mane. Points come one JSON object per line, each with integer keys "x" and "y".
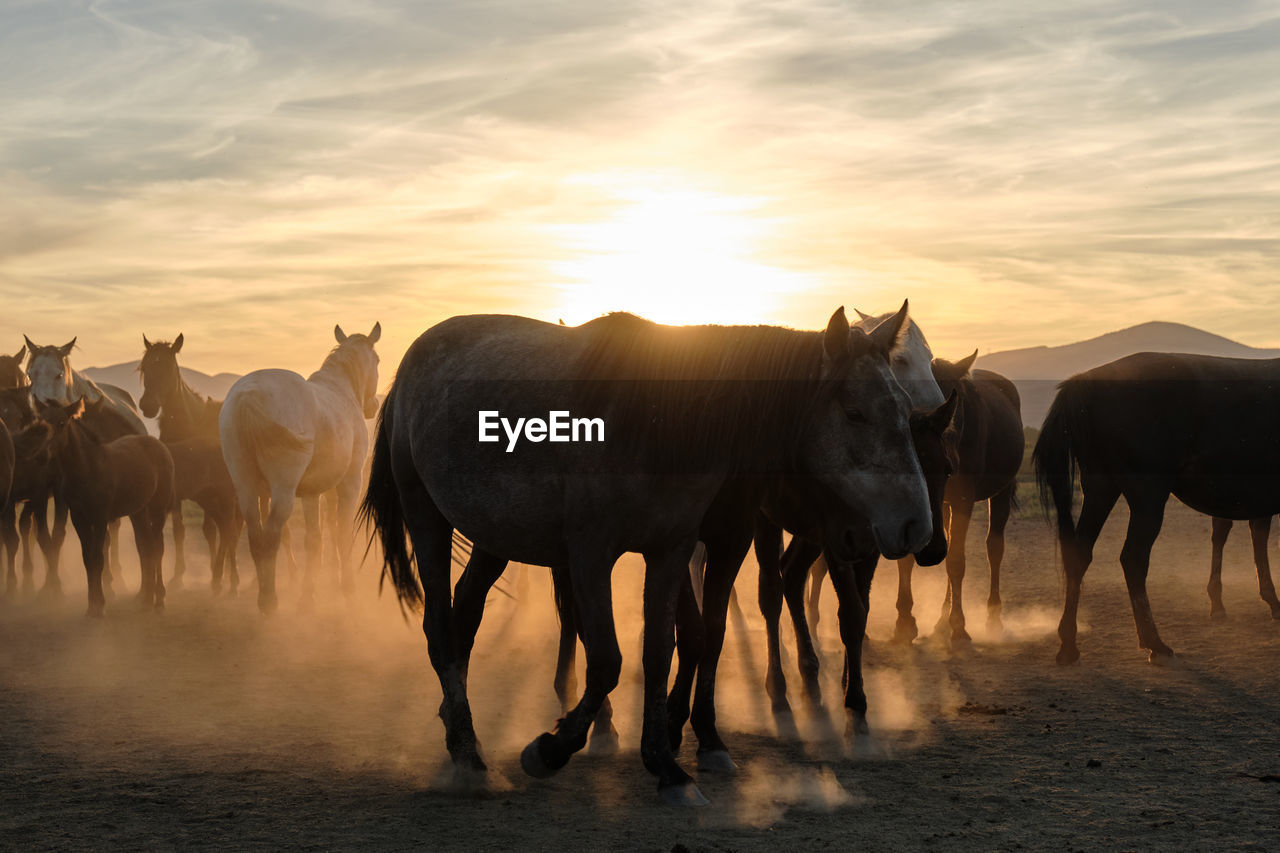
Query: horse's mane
{"x": 697, "y": 394}
{"x": 344, "y": 361}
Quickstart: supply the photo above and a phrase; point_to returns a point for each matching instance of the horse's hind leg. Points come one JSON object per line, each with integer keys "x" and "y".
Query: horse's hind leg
{"x": 590, "y": 572}
{"x": 905, "y": 630}
{"x": 998, "y": 508}
{"x": 312, "y": 539}
{"x": 1100, "y": 496}
{"x": 690, "y": 646}
{"x": 432, "y": 538}
{"x": 1260, "y": 531}
{"x": 481, "y": 573}
{"x": 1218, "y": 540}
{"x": 1146, "y": 515}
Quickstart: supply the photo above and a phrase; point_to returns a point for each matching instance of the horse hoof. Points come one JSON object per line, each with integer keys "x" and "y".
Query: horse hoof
{"x": 905, "y": 634}
{"x": 268, "y": 604}
{"x": 716, "y": 761}
{"x": 1275, "y": 614}
{"x": 1068, "y": 656}
{"x": 683, "y": 794}
{"x": 95, "y": 611}
{"x": 603, "y": 744}
{"x": 1164, "y": 658}
{"x": 532, "y": 762}
{"x": 1218, "y": 614}
{"x": 995, "y": 629}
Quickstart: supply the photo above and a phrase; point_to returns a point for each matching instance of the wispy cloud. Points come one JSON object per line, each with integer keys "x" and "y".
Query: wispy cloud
{"x": 250, "y": 173}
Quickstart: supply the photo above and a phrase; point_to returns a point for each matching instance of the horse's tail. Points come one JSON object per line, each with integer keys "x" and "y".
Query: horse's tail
{"x": 1055, "y": 457}
{"x": 382, "y": 512}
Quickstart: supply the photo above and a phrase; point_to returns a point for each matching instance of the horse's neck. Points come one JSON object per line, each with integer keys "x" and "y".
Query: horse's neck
{"x": 77, "y": 455}
{"x": 187, "y": 415}
{"x": 83, "y": 386}
{"x": 333, "y": 375}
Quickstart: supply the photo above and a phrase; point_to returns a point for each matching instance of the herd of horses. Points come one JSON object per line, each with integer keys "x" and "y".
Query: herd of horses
{"x": 855, "y": 440}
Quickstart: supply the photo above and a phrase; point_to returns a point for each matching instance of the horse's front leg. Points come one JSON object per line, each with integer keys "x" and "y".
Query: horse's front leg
{"x": 9, "y": 530}
{"x": 664, "y": 571}
{"x": 312, "y": 538}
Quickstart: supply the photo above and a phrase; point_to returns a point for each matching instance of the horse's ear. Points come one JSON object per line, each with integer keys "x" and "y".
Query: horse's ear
{"x": 835, "y": 341}
{"x": 146, "y": 343}
{"x": 177, "y": 344}
{"x": 75, "y": 409}
{"x": 17, "y": 356}
{"x": 885, "y": 336}
{"x": 965, "y": 364}
{"x": 940, "y": 418}
{"x": 27, "y": 344}
{"x": 65, "y": 349}
{"x": 861, "y": 316}
{"x": 339, "y": 334}
{"x": 375, "y": 333}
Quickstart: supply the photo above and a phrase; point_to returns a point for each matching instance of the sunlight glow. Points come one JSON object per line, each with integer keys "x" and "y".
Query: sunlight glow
{"x": 672, "y": 254}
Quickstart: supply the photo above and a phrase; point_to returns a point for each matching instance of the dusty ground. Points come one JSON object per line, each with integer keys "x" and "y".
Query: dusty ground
{"x": 208, "y": 726}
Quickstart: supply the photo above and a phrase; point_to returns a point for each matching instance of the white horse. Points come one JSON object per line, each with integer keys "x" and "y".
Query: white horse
{"x": 53, "y": 380}
{"x": 285, "y": 437}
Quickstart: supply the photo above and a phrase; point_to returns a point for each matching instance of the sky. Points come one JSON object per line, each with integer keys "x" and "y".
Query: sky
{"x": 251, "y": 172}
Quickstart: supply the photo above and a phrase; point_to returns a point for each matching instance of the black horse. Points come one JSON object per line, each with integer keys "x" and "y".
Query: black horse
{"x": 689, "y": 409}
{"x": 1145, "y": 427}
{"x": 990, "y": 443}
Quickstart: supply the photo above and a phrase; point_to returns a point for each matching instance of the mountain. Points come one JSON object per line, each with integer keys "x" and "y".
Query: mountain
{"x": 126, "y": 376}
{"x": 1038, "y": 370}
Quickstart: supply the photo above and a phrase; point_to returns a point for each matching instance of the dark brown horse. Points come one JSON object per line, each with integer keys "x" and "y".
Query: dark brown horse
{"x": 102, "y": 481}
{"x": 1146, "y": 427}
{"x": 990, "y": 442}
{"x": 189, "y": 428}
{"x": 1259, "y": 532}
{"x": 783, "y": 573}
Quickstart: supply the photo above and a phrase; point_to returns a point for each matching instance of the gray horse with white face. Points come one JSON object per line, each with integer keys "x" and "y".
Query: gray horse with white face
{"x": 685, "y": 409}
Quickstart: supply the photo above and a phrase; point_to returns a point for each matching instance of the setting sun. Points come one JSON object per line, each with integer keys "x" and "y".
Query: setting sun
{"x": 673, "y": 254}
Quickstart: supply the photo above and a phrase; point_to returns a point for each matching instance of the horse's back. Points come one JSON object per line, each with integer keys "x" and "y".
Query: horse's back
{"x": 994, "y": 399}
{"x": 1203, "y": 426}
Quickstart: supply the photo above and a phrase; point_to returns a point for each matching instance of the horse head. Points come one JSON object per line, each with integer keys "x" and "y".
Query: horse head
{"x": 365, "y": 360}
{"x": 910, "y": 362}
{"x": 49, "y": 370}
{"x": 161, "y": 377}
{"x": 859, "y": 441}
{"x": 11, "y": 373}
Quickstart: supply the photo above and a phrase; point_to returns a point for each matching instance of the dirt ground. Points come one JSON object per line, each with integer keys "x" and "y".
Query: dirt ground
{"x": 209, "y": 726}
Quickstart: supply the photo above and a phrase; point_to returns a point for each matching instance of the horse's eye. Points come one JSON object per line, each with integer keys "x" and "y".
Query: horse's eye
{"x": 855, "y": 415}
{"x": 899, "y": 360}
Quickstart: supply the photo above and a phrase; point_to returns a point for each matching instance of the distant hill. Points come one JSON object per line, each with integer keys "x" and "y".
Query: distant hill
{"x": 1037, "y": 370}
{"x": 126, "y": 376}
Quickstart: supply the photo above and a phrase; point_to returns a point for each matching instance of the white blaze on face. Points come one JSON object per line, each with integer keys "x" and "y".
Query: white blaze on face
{"x": 48, "y": 379}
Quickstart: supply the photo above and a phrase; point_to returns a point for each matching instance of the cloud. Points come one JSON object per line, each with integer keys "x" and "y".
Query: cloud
{"x": 258, "y": 171}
